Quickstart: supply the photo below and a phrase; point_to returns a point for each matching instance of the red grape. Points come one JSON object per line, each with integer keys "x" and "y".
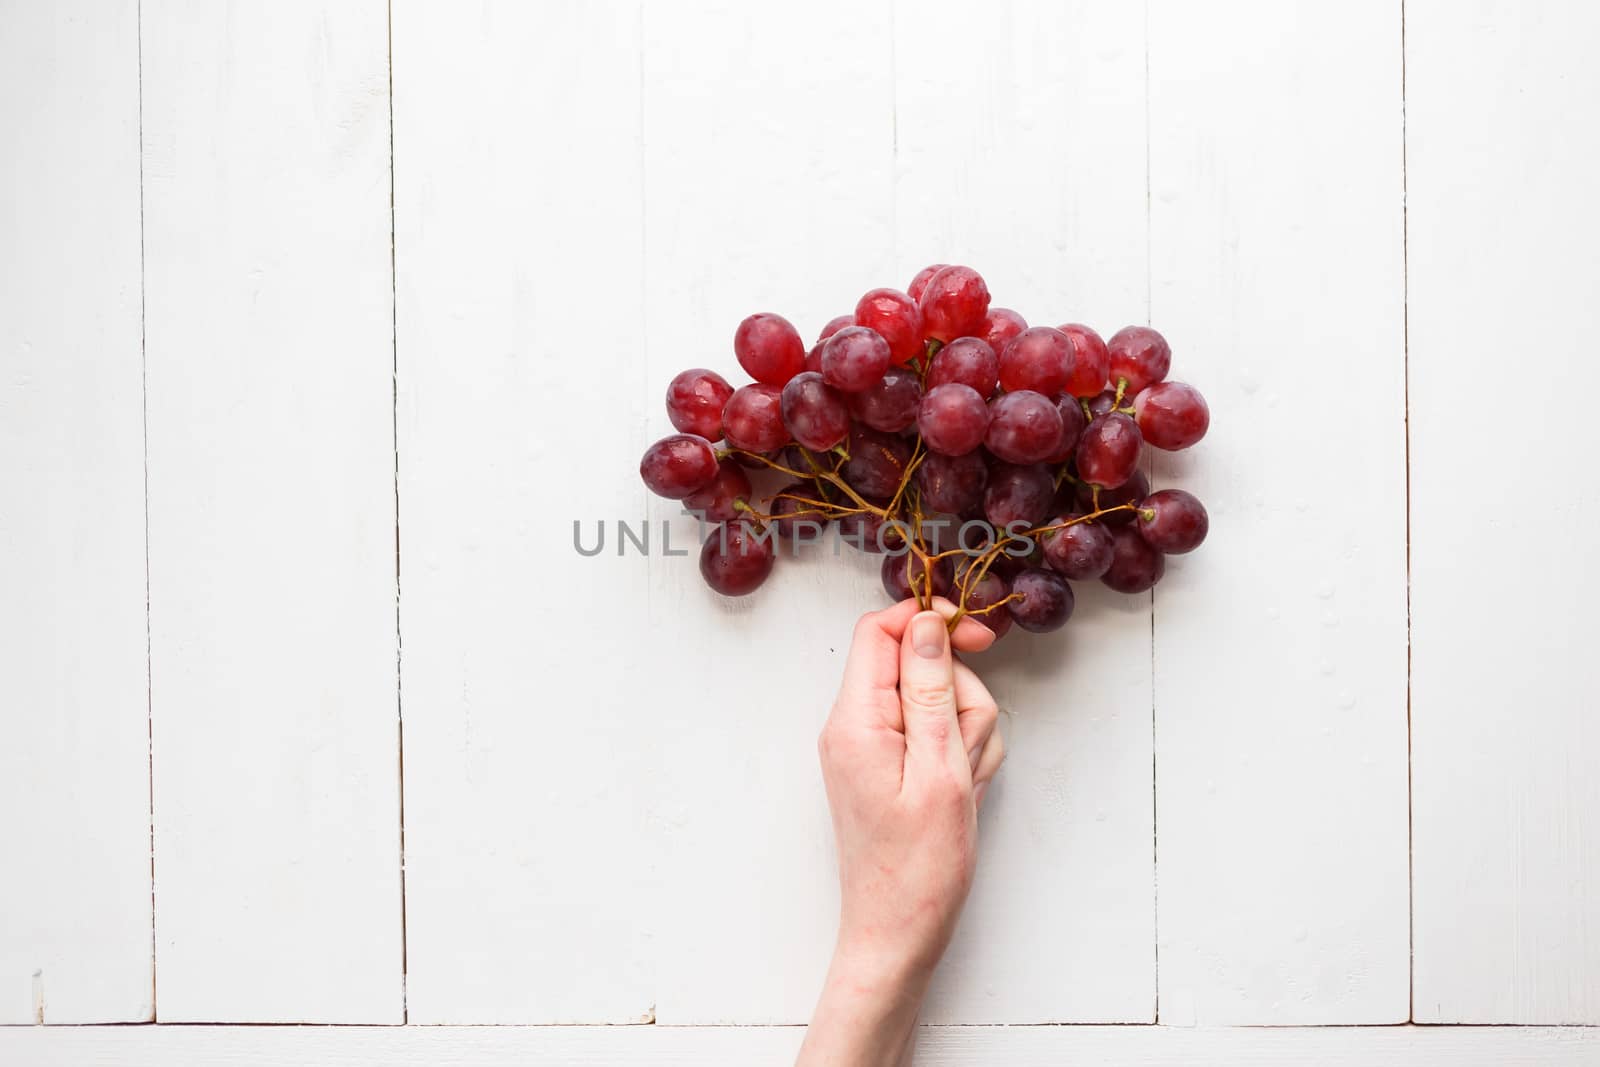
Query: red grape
{"x": 1080, "y": 551}
{"x": 1135, "y": 566}
{"x": 1000, "y": 326}
{"x": 900, "y": 573}
{"x": 794, "y": 504}
{"x": 954, "y": 304}
{"x": 814, "y": 358}
{"x": 753, "y": 419}
{"x": 1171, "y": 415}
{"x": 1140, "y": 356}
{"x": 890, "y": 405}
{"x": 678, "y": 465}
{"x": 952, "y": 484}
{"x": 814, "y": 414}
{"x": 1103, "y": 403}
{"x": 870, "y": 532}
{"x": 769, "y": 348}
{"x": 1090, "y": 361}
{"x": 1024, "y": 427}
{"x": 854, "y": 359}
{"x": 1044, "y": 600}
{"x": 1018, "y": 495}
{"x": 979, "y": 595}
{"x": 893, "y": 316}
{"x": 877, "y": 462}
{"x": 920, "y": 282}
{"x": 695, "y": 399}
{"x": 1072, "y": 424}
{"x": 966, "y": 360}
{"x": 1108, "y": 451}
{"x": 1134, "y": 489}
{"x": 835, "y": 324}
{"x": 952, "y": 419}
{"x": 1173, "y": 521}
{"x": 1038, "y": 358}
{"x": 718, "y": 499}
{"x": 737, "y": 557}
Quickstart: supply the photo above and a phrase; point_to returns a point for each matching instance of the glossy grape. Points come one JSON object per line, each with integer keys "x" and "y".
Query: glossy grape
{"x": 719, "y": 499}
{"x": 1134, "y": 489}
{"x": 1090, "y": 363}
{"x": 1038, "y": 358}
{"x": 968, "y": 361}
{"x": 678, "y": 465}
{"x": 894, "y": 316}
{"x": 899, "y": 572}
{"x": 1103, "y": 403}
{"x": 1024, "y": 427}
{"x": 952, "y": 419}
{"x": 769, "y": 348}
{"x": 753, "y": 419}
{"x": 954, "y": 304}
{"x": 952, "y": 484}
{"x": 854, "y": 359}
{"x": 1043, "y": 601}
{"x": 1000, "y": 325}
{"x": 737, "y": 557}
{"x": 890, "y": 405}
{"x": 1172, "y": 521}
{"x": 1081, "y": 551}
{"x": 835, "y": 324}
{"x": 1073, "y": 422}
{"x": 1140, "y": 356}
{"x": 920, "y": 282}
{"x": 815, "y": 415}
{"x": 1108, "y": 451}
{"x": 877, "y": 462}
{"x": 1018, "y": 495}
{"x": 695, "y": 399}
{"x": 1135, "y": 566}
{"x": 1171, "y": 415}
{"x": 979, "y": 595}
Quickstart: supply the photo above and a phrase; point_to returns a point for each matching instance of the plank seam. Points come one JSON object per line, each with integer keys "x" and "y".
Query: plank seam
{"x": 1405, "y": 345}
{"x": 1155, "y": 835}
{"x": 144, "y": 425}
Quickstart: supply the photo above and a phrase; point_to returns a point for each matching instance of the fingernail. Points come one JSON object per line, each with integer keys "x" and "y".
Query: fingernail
{"x": 928, "y": 635}
{"x": 977, "y": 794}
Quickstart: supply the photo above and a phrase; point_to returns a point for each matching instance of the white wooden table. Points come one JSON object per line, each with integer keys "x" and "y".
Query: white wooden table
{"x": 320, "y": 324}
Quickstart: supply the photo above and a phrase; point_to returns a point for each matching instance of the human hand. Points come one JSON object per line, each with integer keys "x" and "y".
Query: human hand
{"x": 907, "y": 753}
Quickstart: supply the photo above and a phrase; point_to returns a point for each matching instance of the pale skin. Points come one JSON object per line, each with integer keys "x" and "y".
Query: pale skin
{"x": 908, "y": 751}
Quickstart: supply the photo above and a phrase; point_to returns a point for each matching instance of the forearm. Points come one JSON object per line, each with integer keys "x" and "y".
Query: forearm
{"x": 866, "y": 1015}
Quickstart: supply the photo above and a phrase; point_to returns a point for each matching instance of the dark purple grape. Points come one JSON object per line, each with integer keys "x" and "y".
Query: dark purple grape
{"x": 870, "y": 532}
{"x": 979, "y": 595}
{"x": 753, "y": 419}
{"x": 814, "y": 414}
{"x": 854, "y": 359}
{"x": 952, "y": 419}
{"x": 1024, "y": 427}
{"x": 718, "y": 500}
{"x": 1135, "y": 566}
{"x": 678, "y": 465}
{"x": 1172, "y": 521}
{"x": 1020, "y": 495}
{"x": 952, "y": 484}
{"x": 1135, "y": 488}
{"x": 1108, "y": 451}
{"x": 1072, "y": 425}
{"x": 1081, "y": 551}
{"x": 969, "y": 361}
{"x": 1139, "y": 356}
{"x": 1044, "y": 600}
{"x": 1171, "y": 415}
{"x": 1103, "y": 403}
{"x": 891, "y": 404}
{"x": 900, "y": 571}
{"x": 796, "y": 511}
{"x": 877, "y": 462}
{"x": 737, "y": 558}
{"x": 695, "y": 399}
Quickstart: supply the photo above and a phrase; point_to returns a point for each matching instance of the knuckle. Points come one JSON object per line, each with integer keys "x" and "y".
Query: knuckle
{"x": 930, "y": 694}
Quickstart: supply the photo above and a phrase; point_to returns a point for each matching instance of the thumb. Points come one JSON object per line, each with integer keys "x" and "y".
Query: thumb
{"x": 928, "y": 694}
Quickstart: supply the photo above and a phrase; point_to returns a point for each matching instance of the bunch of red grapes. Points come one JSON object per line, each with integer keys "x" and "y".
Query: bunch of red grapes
{"x": 988, "y": 461}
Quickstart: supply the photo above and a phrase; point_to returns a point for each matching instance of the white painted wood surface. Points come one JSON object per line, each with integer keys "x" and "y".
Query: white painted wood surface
{"x": 742, "y": 1046}
{"x": 1504, "y": 158}
{"x": 1280, "y": 646}
{"x": 271, "y": 501}
{"x": 529, "y": 706}
{"x": 74, "y": 759}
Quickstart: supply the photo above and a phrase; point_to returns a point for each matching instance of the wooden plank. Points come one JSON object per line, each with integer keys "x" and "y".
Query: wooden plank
{"x": 768, "y": 141}
{"x": 74, "y": 760}
{"x": 727, "y": 1046}
{"x": 1503, "y": 160}
{"x": 272, "y": 566}
{"x": 1026, "y": 159}
{"x": 1280, "y": 651}
{"x": 529, "y": 706}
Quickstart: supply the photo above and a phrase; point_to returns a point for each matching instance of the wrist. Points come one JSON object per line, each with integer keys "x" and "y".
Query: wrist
{"x": 867, "y": 1011}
